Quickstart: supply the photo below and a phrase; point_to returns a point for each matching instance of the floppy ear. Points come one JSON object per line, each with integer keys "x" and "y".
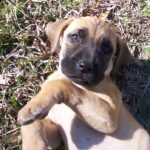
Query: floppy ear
{"x": 122, "y": 56}
{"x": 54, "y": 30}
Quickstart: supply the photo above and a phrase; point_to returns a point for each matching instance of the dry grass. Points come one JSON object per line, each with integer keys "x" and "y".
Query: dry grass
{"x": 26, "y": 59}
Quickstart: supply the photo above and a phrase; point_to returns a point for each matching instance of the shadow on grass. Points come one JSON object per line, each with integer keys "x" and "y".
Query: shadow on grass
{"x": 136, "y": 90}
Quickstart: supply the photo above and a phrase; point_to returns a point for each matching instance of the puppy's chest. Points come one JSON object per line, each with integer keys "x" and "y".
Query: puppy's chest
{"x": 73, "y": 128}
{"x": 61, "y": 115}
{"x": 70, "y": 123}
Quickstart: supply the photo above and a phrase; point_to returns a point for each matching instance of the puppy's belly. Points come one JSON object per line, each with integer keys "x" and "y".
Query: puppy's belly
{"x": 78, "y": 136}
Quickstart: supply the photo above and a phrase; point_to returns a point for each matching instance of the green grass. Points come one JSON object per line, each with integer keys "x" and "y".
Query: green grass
{"x": 147, "y": 62}
{"x": 147, "y": 51}
{"x": 146, "y": 10}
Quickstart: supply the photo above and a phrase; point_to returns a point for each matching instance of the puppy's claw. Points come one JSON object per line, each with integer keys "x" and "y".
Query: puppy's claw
{"x": 25, "y": 116}
{"x": 28, "y": 114}
{"x": 24, "y": 122}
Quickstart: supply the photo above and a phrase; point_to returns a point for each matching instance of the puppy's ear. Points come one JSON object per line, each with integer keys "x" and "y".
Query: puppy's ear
{"x": 122, "y": 56}
{"x": 54, "y": 30}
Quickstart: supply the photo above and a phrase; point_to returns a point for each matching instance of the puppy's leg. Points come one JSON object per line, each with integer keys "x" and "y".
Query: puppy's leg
{"x": 99, "y": 109}
{"x": 39, "y": 135}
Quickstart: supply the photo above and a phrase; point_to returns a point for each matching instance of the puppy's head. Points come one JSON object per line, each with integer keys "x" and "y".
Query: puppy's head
{"x": 90, "y": 50}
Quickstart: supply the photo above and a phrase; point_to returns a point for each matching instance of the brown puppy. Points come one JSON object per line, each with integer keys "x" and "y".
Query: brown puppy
{"x": 96, "y": 118}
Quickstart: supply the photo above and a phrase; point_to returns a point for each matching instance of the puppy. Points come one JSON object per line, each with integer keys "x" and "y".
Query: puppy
{"x": 81, "y": 105}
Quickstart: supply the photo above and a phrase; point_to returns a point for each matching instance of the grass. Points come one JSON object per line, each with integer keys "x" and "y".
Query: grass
{"x": 26, "y": 59}
{"x": 146, "y": 10}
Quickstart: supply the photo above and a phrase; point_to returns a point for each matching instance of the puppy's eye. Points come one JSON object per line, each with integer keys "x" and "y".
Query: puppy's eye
{"x": 75, "y": 38}
{"x": 106, "y": 50}
{"x": 106, "y": 46}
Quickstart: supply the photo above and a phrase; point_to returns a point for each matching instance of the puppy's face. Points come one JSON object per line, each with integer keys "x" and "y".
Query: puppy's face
{"x": 87, "y": 50}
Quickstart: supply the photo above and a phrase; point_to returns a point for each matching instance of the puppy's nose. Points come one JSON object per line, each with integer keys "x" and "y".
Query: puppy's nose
{"x": 84, "y": 66}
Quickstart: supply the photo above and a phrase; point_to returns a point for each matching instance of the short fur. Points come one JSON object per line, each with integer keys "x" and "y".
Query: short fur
{"x": 84, "y": 105}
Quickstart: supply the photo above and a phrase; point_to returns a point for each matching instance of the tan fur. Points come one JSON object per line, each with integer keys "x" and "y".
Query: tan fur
{"x": 99, "y": 106}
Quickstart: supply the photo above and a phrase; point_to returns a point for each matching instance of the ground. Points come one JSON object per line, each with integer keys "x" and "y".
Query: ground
{"x": 26, "y": 59}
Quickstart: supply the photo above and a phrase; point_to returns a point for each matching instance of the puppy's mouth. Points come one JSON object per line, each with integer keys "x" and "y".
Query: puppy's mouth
{"x": 85, "y": 79}
{"x": 78, "y": 80}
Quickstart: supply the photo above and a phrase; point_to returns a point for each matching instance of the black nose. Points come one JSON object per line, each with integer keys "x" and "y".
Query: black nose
{"x": 84, "y": 66}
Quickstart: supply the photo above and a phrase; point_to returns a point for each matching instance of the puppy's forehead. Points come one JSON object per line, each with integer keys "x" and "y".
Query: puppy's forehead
{"x": 88, "y": 22}
{"x": 95, "y": 28}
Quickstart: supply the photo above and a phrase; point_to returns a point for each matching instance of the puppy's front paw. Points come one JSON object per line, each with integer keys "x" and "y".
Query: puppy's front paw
{"x": 31, "y": 112}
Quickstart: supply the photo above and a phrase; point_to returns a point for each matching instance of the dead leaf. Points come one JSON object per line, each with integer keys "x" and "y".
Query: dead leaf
{"x": 4, "y": 79}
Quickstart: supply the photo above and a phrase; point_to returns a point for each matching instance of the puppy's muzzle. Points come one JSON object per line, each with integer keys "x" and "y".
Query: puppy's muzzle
{"x": 84, "y": 72}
